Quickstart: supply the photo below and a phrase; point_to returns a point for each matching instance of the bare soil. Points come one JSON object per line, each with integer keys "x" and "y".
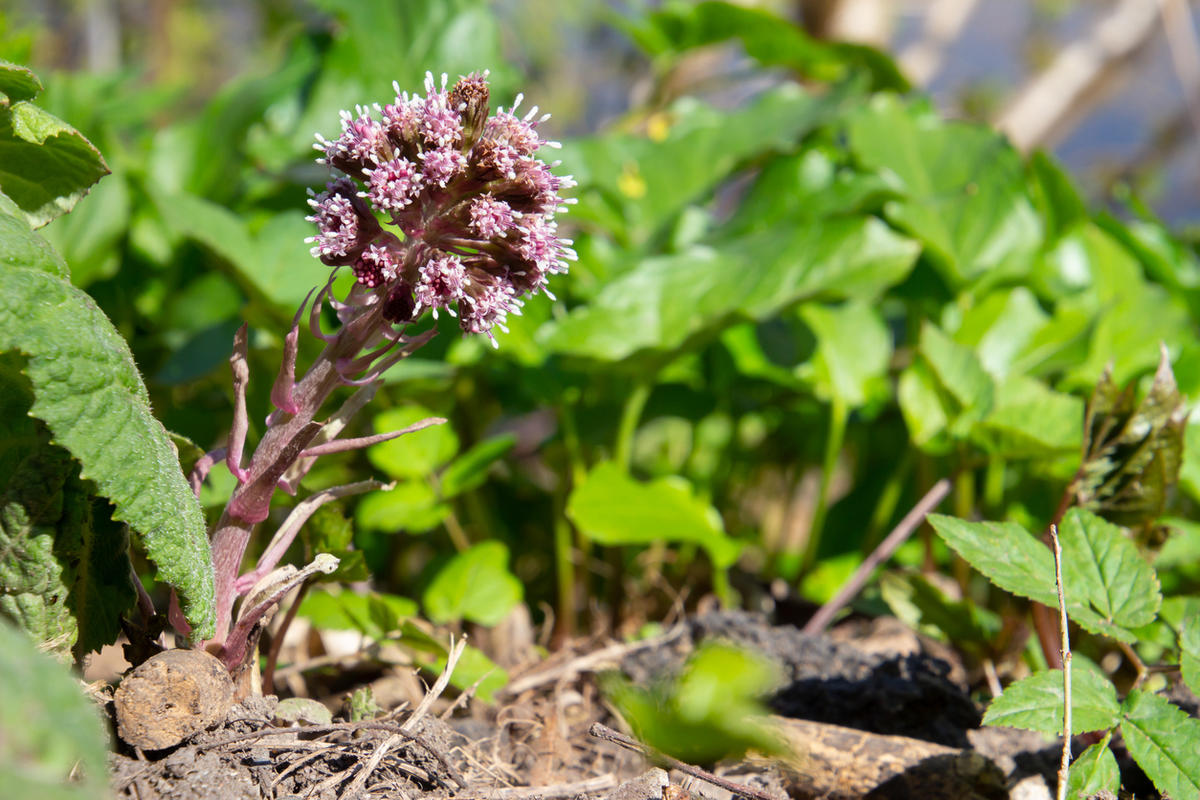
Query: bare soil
{"x": 879, "y": 713}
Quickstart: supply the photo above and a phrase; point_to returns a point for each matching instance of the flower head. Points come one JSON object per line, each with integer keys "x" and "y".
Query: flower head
{"x": 472, "y": 203}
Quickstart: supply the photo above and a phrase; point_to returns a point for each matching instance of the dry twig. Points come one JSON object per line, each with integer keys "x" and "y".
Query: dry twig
{"x": 1065, "y": 764}
{"x": 609, "y": 735}
{"x": 936, "y": 494}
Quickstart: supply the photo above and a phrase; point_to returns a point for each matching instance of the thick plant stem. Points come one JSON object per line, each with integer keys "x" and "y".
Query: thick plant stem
{"x": 251, "y": 499}
{"x": 839, "y": 415}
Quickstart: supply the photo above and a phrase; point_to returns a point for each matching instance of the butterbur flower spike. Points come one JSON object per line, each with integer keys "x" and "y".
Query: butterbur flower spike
{"x": 471, "y": 207}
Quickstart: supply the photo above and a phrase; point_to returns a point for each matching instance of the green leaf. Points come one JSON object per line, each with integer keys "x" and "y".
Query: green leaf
{"x": 1189, "y": 649}
{"x": 1163, "y": 740}
{"x": 22, "y": 249}
{"x": 54, "y": 747}
{"x": 17, "y": 83}
{"x": 923, "y": 606}
{"x": 470, "y": 469}
{"x": 413, "y": 455}
{"x": 475, "y": 585}
{"x": 1013, "y": 559}
{"x": 274, "y": 265}
{"x": 963, "y": 189}
{"x": 637, "y": 183}
{"x": 374, "y": 614}
{"x": 474, "y": 669}
{"x": 89, "y": 393}
{"x": 999, "y": 328}
{"x": 1030, "y": 419}
{"x": 45, "y": 164}
{"x": 925, "y": 414}
{"x": 88, "y": 237}
{"x": 64, "y": 564}
{"x": 771, "y": 40}
{"x": 611, "y": 508}
{"x": 1055, "y": 196}
{"x": 1036, "y": 703}
{"x": 411, "y": 506}
{"x": 713, "y": 711}
{"x": 665, "y": 301}
{"x": 960, "y": 374}
{"x": 1094, "y": 771}
{"x": 853, "y": 351}
{"x": 1132, "y": 451}
{"x": 1104, "y": 568}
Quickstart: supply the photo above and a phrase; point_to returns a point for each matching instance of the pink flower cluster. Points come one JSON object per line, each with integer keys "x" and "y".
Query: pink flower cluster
{"x": 473, "y": 207}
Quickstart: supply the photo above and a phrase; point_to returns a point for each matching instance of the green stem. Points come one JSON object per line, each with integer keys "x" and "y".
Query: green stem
{"x": 565, "y": 573}
{"x": 889, "y": 498}
{"x": 839, "y": 415}
{"x": 993, "y": 487}
{"x": 631, "y": 415}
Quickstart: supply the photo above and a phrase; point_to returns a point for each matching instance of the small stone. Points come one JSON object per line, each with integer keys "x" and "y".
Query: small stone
{"x": 170, "y": 697}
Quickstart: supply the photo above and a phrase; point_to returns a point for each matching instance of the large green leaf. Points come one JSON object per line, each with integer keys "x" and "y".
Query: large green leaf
{"x": 1030, "y": 419}
{"x": 475, "y": 585}
{"x": 53, "y": 747}
{"x": 89, "y": 393}
{"x": 1163, "y": 740}
{"x": 637, "y": 183}
{"x": 1036, "y": 703}
{"x": 963, "y": 189}
{"x": 64, "y": 564}
{"x": 853, "y": 351}
{"x": 275, "y": 264}
{"x": 665, "y": 301}
{"x": 611, "y": 508}
{"x": 768, "y": 38}
{"x": 45, "y": 164}
{"x": 1104, "y": 568}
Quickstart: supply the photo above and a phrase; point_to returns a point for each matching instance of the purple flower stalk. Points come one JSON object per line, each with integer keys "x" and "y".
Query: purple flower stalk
{"x": 468, "y": 225}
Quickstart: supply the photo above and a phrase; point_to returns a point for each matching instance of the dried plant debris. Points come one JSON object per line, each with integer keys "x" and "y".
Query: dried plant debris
{"x": 1132, "y": 451}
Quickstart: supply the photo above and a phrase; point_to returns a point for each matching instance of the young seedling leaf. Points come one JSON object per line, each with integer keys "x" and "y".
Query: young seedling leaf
{"x": 475, "y": 585}
{"x": 1132, "y": 451}
{"x": 1104, "y": 569}
{"x": 1036, "y": 703}
{"x": 611, "y": 508}
{"x": 1095, "y": 771}
{"x": 88, "y": 391}
{"x": 54, "y": 743}
{"x": 1163, "y": 740}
